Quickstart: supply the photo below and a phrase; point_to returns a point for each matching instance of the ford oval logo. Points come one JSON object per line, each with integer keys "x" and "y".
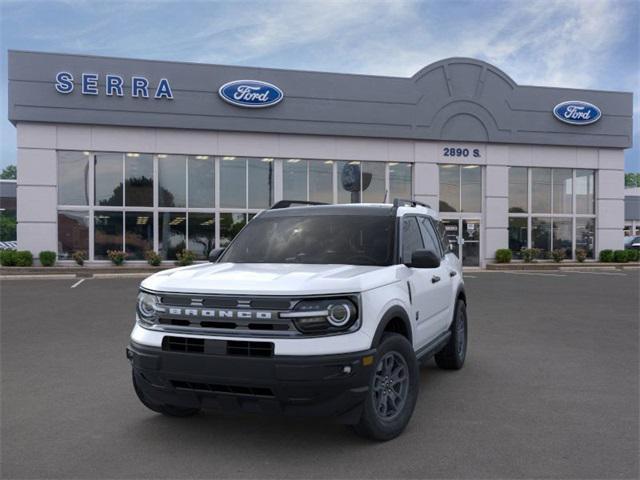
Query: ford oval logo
{"x": 250, "y": 93}
{"x": 576, "y": 112}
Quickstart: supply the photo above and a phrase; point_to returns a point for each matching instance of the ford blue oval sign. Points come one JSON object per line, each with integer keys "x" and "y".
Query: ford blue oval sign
{"x": 577, "y": 112}
{"x": 250, "y": 93}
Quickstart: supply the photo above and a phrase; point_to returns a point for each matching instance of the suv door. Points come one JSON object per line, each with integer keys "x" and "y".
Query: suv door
{"x": 426, "y": 285}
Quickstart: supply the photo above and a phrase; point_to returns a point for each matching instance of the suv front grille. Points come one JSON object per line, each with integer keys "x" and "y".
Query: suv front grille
{"x": 217, "y": 347}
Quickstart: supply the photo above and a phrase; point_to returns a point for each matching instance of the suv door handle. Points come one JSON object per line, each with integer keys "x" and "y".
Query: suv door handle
{"x": 435, "y": 279}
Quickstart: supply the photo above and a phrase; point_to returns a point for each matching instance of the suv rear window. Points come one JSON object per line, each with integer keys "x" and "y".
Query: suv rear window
{"x": 317, "y": 239}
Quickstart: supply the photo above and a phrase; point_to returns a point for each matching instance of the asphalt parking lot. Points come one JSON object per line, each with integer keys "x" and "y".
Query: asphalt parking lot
{"x": 550, "y": 389}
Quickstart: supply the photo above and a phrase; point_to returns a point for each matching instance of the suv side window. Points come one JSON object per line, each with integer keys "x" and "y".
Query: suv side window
{"x": 411, "y": 238}
{"x": 442, "y": 235}
{"x": 431, "y": 241}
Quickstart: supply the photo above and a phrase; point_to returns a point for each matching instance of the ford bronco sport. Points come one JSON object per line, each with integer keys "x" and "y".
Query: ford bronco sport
{"x": 311, "y": 310}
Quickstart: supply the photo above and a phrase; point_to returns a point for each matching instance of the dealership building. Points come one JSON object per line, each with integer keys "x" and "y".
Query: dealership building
{"x": 141, "y": 155}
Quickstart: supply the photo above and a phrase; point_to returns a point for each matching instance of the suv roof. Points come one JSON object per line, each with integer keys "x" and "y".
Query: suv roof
{"x": 374, "y": 209}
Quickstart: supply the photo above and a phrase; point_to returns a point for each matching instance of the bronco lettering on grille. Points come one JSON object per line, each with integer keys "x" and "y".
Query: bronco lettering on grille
{"x": 217, "y": 313}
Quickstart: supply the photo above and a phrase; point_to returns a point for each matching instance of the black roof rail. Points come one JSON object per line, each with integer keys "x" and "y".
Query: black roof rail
{"x": 401, "y": 202}
{"x": 293, "y": 203}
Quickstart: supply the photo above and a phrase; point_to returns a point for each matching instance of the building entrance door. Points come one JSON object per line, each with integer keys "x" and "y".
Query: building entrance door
{"x": 464, "y": 237}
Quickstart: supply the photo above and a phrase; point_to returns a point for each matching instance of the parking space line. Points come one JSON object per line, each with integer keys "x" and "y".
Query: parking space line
{"x": 538, "y": 274}
{"x": 78, "y": 283}
{"x": 599, "y": 273}
{"x": 469, "y": 276}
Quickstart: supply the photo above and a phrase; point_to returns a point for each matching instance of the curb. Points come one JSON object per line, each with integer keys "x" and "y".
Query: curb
{"x": 561, "y": 266}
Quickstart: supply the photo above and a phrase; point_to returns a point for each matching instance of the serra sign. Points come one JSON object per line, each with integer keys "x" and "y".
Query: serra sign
{"x": 113, "y": 85}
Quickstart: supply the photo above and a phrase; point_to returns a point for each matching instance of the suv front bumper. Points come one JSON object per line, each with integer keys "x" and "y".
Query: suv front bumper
{"x": 318, "y": 385}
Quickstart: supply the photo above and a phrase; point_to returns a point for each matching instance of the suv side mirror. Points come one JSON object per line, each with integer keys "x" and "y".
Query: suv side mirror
{"x": 214, "y": 254}
{"x": 424, "y": 259}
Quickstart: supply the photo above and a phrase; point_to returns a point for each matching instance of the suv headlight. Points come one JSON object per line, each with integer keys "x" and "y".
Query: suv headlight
{"x": 329, "y": 315}
{"x": 146, "y": 308}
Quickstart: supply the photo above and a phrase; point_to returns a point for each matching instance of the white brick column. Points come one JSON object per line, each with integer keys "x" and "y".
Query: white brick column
{"x": 426, "y": 177}
{"x": 496, "y": 210}
{"x": 610, "y": 200}
{"x": 37, "y": 188}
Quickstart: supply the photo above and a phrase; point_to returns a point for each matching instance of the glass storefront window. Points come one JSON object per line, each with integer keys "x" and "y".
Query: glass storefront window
{"x": 201, "y": 181}
{"x": 172, "y": 234}
{"x": 73, "y": 233}
{"x": 73, "y": 178}
{"x": 541, "y": 190}
{"x": 585, "y": 235}
{"x": 585, "y": 192}
{"x": 562, "y": 190}
{"x": 107, "y": 233}
{"x": 517, "y": 235}
{"x": 138, "y": 236}
{"x": 230, "y": 226}
{"x": 471, "y": 188}
{"x": 449, "y": 188}
{"x": 294, "y": 178}
{"x": 172, "y": 185}
{"x": 138, "y": 175}
{"x": 400, "y": 176}
{"x": 373, "y": 182}
{"x": 321, "y": 181}
{"x": 233, "y": 182}
{"x": 562, "y": 235}
{"x": 260, "y": 182}
{"x": 541, "y": 235}
{"x": 202, "y": 234}
{"x": 518, "y": 190}
{"x": 108, "y": 179}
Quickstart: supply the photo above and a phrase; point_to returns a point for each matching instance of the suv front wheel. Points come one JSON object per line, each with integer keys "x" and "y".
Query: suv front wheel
{"x": 452, "y": 356}
{"x": 393, "y": 390}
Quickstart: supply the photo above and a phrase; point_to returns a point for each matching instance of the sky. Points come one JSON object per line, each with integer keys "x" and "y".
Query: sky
{"x": 566, "y": 43}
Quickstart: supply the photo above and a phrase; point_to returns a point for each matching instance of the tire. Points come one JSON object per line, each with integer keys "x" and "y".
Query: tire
{"x": 452, "y": 356}
{"x": 168, "y": 410}
{"x": 385, "y": 415}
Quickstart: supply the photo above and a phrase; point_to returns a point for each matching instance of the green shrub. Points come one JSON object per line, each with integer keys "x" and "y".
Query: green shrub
{"x": 606, "y": 255}
{"x": 620, "y": 256}
{"x": 7, "y": 258}
{"x": 185, "y": 257}
{"x": 503, "y": 255}
{"x": 47, "y": 258}
{"x": 24, "y": 258}
{"x": 531, "y": 254}
{"x": 581, "y": 254}
{"x": 633, "y": 255}
{"x": 152, "y": 258}
{"x": 79, "y": 256}
{"x": 117, "y": 256}
{"x": 558, "y": 255}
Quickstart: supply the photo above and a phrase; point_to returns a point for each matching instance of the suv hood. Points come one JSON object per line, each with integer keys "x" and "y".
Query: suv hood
{"x": 271, "y": 278}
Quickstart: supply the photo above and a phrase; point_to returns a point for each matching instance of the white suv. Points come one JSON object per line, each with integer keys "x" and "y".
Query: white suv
{"x": 311, "y": 310}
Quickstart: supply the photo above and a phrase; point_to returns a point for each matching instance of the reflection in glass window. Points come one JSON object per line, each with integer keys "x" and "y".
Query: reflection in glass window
{"x": 138, "y": 174}
{"x": 517, "y": 235}
{"x": 172, "y": 189}
{"x": 562, "y": 190}
{"x": 449, "y": 188}
{"x": 260, "y": 182}
{"x": 349, "y": 182}
{"x": 562, "y": 235}
{"x": 399, "y": 181}
{"x": 233, "y": 182}
{"x": 518, "y": 190}
{"x": 294, "y": 179}
{"x": 321, "y": 181}
{"x": 201, "y": 182}
{"x": 471, "y": 190}
{"x": 541, "y": 235}
{"x": 108, "y": 179}
{"x": 171, "y": 234}
{"x": 202, "y": 234}
{"x": 585, "y": 235}
{"x": 73, "y": 178}
{"x": 108, "y": 233}
{"x": 230, "y": 226}
{"x": 73, "y": 233}
{"x": 541, "y": 190}
{"x": 138, "y": 234}
{"x": 373, "y": 182}
{"x": 585, "y": 192}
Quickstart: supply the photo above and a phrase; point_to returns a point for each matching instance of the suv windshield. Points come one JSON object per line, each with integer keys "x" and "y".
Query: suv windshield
{"x": 343, "y": 239}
